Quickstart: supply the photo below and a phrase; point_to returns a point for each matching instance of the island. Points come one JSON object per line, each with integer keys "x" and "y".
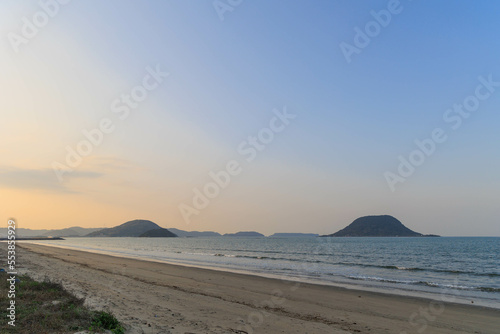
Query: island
{"x": 244, "y": 234}
{"x": 134, "y": 228}
{"x": 377, "y": 226}
{"x": 293, "y": 235}
{"x": 193, "y": 234}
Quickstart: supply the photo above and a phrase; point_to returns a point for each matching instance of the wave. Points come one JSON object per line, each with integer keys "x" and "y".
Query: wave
{"x": 278, "y": 259}
{"x": 390, "y": 267}
{"x": 447, "y": 271}
{"x": 425, "y": 283}
{"x": 352, "y": 264}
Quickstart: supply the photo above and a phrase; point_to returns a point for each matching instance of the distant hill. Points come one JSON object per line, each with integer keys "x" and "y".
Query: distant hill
{"x": 132, "y": 228}
{"x": 158, "y": 233}
{"x": 71, "y": 232}
{"x": 244, "y": 234}
{"x": 376, "y": 226}
{"x": 66, "y": 232}
{"x": 292, "y": 235}
{"x": 181, "y": 233}
{"x": 35, "y": 238}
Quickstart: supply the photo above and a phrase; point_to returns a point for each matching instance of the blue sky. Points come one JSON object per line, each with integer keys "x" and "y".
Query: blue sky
{"x": 353, "y": 119}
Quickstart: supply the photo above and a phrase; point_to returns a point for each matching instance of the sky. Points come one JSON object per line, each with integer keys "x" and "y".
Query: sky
{"x": 269, "y": 116}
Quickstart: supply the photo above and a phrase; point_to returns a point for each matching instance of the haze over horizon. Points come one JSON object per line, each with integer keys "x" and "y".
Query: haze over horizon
{"x": 312, "y": 123}
{"x": 172, "y": 229}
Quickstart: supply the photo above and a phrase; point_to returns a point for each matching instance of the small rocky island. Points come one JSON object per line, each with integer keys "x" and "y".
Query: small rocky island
{"x": 134, "y": 228}
{"x": 377, "y": 226}
{"x": 244, "y": 234}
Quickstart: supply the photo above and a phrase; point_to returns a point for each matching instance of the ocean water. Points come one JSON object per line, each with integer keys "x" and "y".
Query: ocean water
{"x": 459, "y": 269}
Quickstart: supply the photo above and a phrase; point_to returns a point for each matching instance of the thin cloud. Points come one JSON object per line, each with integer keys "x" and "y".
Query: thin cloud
{"x": 111, "y": 163}
{"x": 42, "y": 179}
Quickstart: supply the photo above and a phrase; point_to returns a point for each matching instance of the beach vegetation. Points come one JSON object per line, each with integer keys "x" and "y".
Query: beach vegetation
{"x": 46, "y": 307}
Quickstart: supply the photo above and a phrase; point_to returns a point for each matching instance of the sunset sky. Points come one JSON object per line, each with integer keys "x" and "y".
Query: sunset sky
{"x": 203, "y": 85}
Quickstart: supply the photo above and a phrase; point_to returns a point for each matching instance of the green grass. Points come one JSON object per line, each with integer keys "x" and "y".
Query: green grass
{"x": 45, "y": 307}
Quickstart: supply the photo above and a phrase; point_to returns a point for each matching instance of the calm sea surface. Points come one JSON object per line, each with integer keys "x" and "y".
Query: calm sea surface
{"x": 456, "y": 269}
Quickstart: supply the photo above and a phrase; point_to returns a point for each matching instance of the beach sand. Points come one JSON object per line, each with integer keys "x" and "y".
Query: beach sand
{"x": 151, "y": 297}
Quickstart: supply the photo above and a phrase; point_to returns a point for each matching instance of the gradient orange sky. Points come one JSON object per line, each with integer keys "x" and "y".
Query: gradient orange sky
{"x": 325, "y": 169}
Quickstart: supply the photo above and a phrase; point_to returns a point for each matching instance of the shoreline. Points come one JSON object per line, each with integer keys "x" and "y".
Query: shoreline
{"x": 294, "y": 307}
{"x": 443, "y": 294}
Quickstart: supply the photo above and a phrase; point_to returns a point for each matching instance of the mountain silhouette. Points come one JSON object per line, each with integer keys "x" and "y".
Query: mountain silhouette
{"x": 376, "y": 226}
{"x": 132, "y": 228}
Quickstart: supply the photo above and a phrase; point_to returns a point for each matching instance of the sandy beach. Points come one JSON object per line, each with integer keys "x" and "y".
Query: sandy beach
{"x": 151, "y": 297}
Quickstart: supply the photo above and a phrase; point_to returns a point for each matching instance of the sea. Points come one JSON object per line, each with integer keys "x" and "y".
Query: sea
{"x": 456, "y": 269}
